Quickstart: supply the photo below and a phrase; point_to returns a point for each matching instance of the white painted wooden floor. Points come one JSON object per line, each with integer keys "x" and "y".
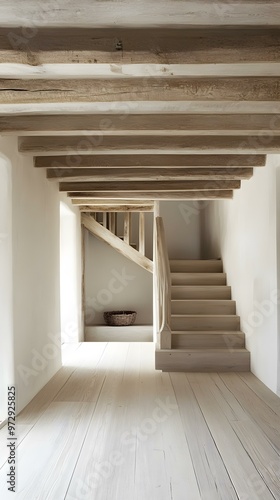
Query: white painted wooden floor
{"x": 109, "y": 427}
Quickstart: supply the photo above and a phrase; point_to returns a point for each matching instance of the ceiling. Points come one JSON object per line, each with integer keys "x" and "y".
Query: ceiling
{"x": 132, "y": 102}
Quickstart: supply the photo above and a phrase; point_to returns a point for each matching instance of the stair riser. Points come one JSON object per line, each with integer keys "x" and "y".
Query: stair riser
{"x": 201, "y": 266}
{"x": 208, "y": 341}
{"x": 203, "y": 307}
{"x": 179, "y": 361}
{"x": 198, "y": 279}
{"x": 201, "y": 292}
{"x": 227, "y": 323}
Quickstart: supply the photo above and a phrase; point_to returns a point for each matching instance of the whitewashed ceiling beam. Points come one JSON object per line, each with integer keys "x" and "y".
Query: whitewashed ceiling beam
{"x": 152, "y": 160}
{"x": 134, "y": 13}
{"x": 211, "y": 194}
{"x": 140, "y": 89}
{"x": 142, "y": 174}
{"x": 130, "y": 123}
{"x": 129, "y": 186}
{"x": 139, "y": 45}
{"x": 114, "y": 208}
{"x": 79, "y": 145}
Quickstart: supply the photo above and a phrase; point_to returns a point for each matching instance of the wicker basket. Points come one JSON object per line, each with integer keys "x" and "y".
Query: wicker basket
{"x": 119, "y": 318}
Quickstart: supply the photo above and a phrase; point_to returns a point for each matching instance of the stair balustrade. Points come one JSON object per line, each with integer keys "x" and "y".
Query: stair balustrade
{"x": 162, "y": 286}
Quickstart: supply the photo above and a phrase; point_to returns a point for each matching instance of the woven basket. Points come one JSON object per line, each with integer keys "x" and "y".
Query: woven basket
{"x": 119, "y": 318}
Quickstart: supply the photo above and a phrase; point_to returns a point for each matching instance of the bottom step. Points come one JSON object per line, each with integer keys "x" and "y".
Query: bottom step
{"x": 208, "y": 340}
{"x": 203, "y": 360}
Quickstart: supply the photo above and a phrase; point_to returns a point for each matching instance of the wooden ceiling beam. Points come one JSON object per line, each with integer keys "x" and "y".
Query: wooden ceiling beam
{"x": 139, "y": 89}
{"x": 79, "y": 145}
{"x": 211, "y": 194}
{"x": 186, "y": 14}
{"x": 67, "y": 124}
{"x": 142, "y": 174}
{"x": 140, "y": 45}
{"x": 116, "y": 208}
{"x": 111, "y": 202}
{"x": 127, "y": 186}
{"x": 89, "y": 201}
{"x": 125, "y": 107}
{"x": 152, "y": 160}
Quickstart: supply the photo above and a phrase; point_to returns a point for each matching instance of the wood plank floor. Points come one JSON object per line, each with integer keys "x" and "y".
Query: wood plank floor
{"x": 110, "y": 427}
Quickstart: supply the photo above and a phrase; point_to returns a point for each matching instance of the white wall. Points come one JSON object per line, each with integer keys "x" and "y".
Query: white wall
{"x": 113, "y": 282}
{"x": 70, "y": 272}
{"x": 182, "y": 228}
{"x": 278, "y": 268}
{"x": 243, "y": 233}
{"x": 35, "y": 257}
{"x": 6, "y": 285}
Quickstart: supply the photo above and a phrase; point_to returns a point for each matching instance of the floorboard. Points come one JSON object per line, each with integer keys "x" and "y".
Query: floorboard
{"x": 263, "y": 392}
{"x": 239, "y": 464}
{"x": 258, "y": 410}
{"x": 212, "y": 476}
{"x": 108, "y": 426}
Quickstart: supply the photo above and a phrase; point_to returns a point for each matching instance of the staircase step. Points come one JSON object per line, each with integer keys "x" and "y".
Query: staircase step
{"x": 184, "y": 306}
{"x": 203, "y": 360}
{"x": 208, "y": 340}
{"x": 200, "y": 292}
{"x": 196, "y": 266}
{"x": 198, "y": 278}
{"x": 187, "y": 322}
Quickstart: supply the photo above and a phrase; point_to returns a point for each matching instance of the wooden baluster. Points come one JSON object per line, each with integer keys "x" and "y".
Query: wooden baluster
{"x": 127, "y": 228}
{"x": 105, "y": 220}
{"x": 112, "y": 222}
{"x": 142, "y": 233}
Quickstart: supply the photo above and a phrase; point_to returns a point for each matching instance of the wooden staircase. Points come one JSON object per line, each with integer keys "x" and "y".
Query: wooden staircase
{"x": 206, "y": 334}
{"x": 106, "y": 230}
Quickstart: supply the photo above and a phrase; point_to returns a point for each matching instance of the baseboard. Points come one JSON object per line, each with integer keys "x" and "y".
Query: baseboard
{"x": 134, "y": 333}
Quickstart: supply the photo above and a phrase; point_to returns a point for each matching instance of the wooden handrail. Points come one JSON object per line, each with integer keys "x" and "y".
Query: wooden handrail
{"x": 162, "y": 287}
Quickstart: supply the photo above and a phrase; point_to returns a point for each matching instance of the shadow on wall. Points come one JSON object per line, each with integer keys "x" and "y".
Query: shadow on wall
{"x": 182, "y": 228}
{"x": 113, "y": 282}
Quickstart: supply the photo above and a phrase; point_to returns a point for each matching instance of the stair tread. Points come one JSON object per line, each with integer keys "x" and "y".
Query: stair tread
{"x": 204, "y": 315}
{"x": 208, "y": 349}
{"x": 200, "y": 274}
{"x": 206, "y": 332}
{"x": 214, "y": 301}
{"x": 206, "y": 302}
{"x": 196, "y": 265}
{"x": 194, "y": 260}
{"x": 200, "y": 286}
